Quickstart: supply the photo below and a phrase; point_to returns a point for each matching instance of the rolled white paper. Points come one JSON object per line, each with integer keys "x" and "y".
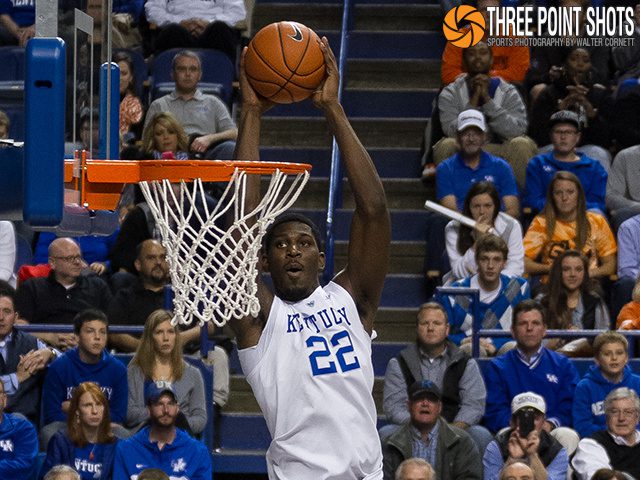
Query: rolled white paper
{"x": 453, "y": 215}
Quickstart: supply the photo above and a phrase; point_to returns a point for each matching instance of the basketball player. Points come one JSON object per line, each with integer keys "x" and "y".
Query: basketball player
{"x": 307, "y": 356}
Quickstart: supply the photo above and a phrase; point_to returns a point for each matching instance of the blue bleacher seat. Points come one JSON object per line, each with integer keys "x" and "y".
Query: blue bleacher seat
{"x": 218, "y": 74}
{"x": 24, "y": 252}
{"x": 12, "y": 60}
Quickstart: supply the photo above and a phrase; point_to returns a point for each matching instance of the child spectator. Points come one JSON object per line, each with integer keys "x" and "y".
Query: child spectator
{"x": 629, "y": 316}
{"x": 609, "y": 372}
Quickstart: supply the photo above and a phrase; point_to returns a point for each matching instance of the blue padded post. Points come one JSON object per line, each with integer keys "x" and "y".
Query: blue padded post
{"x": 44, "y": 137}
{"x": 114, "y": 114}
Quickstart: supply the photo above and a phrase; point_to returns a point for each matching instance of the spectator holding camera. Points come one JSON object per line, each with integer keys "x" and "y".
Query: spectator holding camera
{"x": 526, "y": 440}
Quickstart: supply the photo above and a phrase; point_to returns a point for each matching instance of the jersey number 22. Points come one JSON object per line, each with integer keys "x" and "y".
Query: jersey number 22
{"x": 323, "y": 357}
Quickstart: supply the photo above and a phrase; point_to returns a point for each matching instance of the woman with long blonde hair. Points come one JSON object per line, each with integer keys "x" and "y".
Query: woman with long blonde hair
{"x": 87, "y": 444}
{"x": 159, "y": 357}
{"x": 163, "y": 135}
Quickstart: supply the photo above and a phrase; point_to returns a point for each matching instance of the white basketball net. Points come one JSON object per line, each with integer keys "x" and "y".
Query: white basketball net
{"x": 214, "y": 269}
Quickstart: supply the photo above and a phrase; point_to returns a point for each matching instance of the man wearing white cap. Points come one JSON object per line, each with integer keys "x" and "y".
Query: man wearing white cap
{"x": 472, "y": 164}
{"x": 500, "y": 103}
{"x": 526, "y": 440}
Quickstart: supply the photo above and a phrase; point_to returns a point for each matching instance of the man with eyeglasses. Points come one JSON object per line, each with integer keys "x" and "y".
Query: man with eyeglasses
{"x": 565, "y": 131}
{"x": 205, "y": 118}
{"x": 61, "y": 295}
{"x": 160, "y": 444}
{"x": 617, "y": 447}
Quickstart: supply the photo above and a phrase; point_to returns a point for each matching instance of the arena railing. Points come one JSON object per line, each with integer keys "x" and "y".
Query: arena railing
{"x": 335, "y": 176}
{"x": 477, "y": 331}
{"x": 205, "y": 344}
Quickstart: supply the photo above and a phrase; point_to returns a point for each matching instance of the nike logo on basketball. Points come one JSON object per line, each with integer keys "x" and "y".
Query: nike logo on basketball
{"x": 298, "y": 33}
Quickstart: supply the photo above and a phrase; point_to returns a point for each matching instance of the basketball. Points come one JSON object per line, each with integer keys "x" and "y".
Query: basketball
{"x": 284, "y": 62}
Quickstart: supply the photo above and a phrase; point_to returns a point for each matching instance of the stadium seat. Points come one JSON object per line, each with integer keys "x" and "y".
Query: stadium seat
{"x": 24, "y": 253}
{"x": 218, "y": 74}
{"x": 12, "y": 60}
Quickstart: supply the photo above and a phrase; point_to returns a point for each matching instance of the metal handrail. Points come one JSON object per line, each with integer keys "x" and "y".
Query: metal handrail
{"x": 205, "y": 343}
{"x": 474, "y": 293}
{"x": 477, "y": 331}
{"x": 564, "y": 334}
{"x": 335, "y": 178}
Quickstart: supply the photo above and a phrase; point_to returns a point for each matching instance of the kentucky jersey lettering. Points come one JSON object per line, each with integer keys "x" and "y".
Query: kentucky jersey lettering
{"x": 325, "y": 318}
{"x": 314, "y": 358}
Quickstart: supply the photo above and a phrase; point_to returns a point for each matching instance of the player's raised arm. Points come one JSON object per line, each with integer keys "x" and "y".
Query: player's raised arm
{"x": 249, "y": 329}
{"x": 368, "y": 255}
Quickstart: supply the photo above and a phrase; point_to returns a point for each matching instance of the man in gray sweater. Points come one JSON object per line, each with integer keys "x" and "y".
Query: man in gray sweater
{"x": 501, "y": 105}
{"x": 433, "y": 357}
{"x": 623, "y": 189}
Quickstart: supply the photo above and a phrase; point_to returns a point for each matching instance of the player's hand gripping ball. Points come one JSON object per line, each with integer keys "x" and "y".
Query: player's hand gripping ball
{"x": 284, "y": 62}
{"x": 463, "y": 37}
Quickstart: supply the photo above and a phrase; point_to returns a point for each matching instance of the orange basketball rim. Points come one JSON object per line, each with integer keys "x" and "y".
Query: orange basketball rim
{"x": 97, "y": 184}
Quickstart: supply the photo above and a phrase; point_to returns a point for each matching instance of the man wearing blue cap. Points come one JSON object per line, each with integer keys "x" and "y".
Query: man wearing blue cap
{"x": 448, "y": 449}
{"x": 161, "y": 445}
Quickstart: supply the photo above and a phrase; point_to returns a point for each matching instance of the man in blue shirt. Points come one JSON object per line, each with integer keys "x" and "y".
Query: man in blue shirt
{"x": 161, "y": 445}
{"x": 472, "y": 164}
{"x": 18, "y": 443}
{"x": 565, "y": 130}
{"x": 530, "y": 367}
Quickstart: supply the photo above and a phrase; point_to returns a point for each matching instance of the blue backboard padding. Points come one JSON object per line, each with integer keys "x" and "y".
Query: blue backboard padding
{"x": 44, "y": 145}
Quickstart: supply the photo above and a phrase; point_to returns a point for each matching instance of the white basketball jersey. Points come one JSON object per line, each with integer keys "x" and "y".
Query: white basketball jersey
{"x": 312, "y": 375}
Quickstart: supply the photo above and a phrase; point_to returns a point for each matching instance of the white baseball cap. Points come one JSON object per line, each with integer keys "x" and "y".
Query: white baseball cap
{"x": 528, "y": 399}
{"x": 471, "y": 118}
